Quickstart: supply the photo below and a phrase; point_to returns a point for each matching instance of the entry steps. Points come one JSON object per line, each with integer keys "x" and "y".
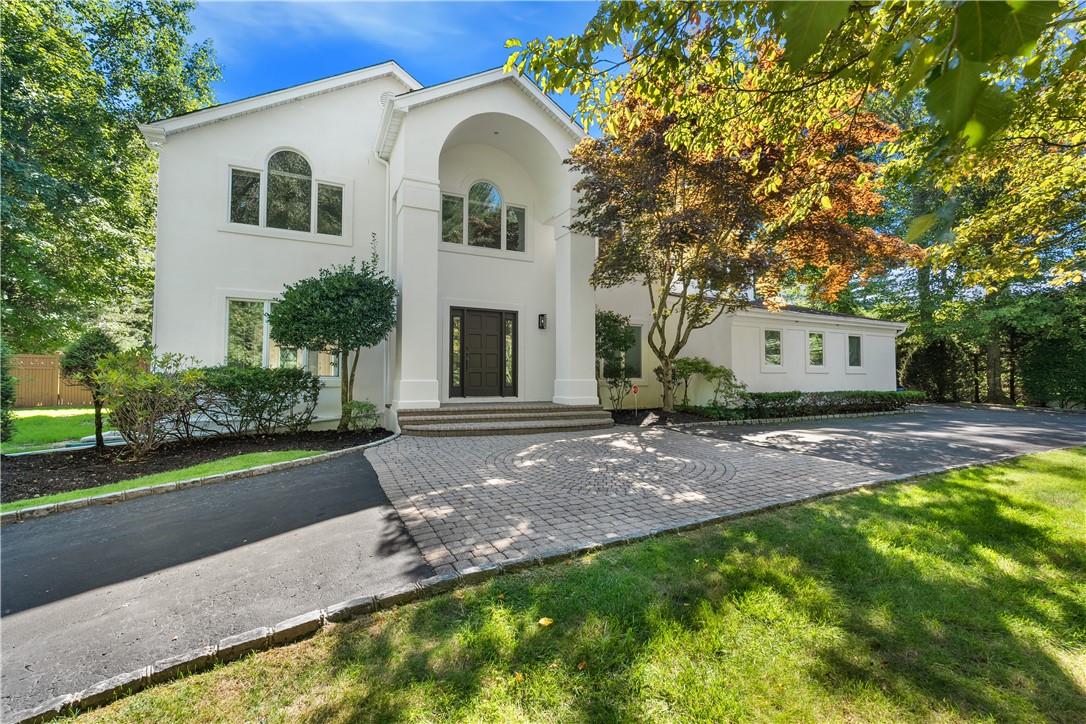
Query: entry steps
{"x": 502, "y": 418}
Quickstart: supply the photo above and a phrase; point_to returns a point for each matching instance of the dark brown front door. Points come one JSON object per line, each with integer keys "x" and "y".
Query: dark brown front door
{"x": 486, "y": 356}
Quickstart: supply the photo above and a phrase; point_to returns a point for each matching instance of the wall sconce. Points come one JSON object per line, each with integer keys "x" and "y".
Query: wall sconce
{"x": 542, "y": 321}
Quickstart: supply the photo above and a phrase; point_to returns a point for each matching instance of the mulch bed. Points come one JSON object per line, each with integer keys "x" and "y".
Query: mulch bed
{"x": 649, "y": 418}
{"x": 28, "y": 476}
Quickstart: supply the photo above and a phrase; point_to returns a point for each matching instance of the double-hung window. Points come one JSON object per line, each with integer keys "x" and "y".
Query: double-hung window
{"x": 816, "y": 350}
{"x": 249, "y": 342}
{"x": 855, "y": 352}
{"x": 286, "y": 196}
{"x": 483, "y": 219}
{"x": 772, "y": 351}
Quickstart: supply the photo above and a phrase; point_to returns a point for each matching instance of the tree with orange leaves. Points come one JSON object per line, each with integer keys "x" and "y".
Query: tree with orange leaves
{"x": 700, "y": 229}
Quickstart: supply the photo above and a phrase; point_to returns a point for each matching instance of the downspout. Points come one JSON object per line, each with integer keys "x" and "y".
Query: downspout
{"x": 388, "y": 267}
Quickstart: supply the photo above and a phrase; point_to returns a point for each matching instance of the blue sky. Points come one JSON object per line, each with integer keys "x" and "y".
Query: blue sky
{"x": 263, "y": 46}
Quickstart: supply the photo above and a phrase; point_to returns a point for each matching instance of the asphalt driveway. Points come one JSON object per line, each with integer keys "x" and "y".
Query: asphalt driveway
{"x": 89, "y": 594}
{"x": 928, "y": 437}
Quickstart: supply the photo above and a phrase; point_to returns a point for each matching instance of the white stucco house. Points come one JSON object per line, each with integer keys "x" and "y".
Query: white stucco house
{"x": 460, "y": 190}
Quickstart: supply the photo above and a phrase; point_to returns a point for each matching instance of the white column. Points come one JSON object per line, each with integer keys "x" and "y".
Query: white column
{"x": 575, "y": 317}
{"x": 418, "y": 224}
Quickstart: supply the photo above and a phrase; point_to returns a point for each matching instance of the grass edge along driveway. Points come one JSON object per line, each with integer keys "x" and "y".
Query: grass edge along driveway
{"x": 39, "y": 428}
{"x": 958, "y": 596}
{"x": 215, "y": 467}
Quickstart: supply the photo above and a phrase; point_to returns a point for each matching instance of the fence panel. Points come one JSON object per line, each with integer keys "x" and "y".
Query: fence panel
{"x": 38, "y": 383}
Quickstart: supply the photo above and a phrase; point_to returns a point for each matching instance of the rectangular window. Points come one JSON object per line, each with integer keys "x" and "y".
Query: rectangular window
{"x": 515, "y": 219}
{"x": 329, "y": 209}
{"x": 855, "y": 351}
{"x": 289, "y": 202}
{"x": 633, "y": 354}
{"x": 509, "y": 331}
{"x": 245, "y": 333}
{"x": 452, "y": 219}
{"x": 816, "y": 353}
{"x": 772, "y": 347}
{"x": 249, "y": 342}
{"x": 456, "y": 333}
{"x": 244, "y": 197}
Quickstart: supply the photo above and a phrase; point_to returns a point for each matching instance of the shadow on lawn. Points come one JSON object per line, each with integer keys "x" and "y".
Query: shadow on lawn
{"x": 936, "y": 593}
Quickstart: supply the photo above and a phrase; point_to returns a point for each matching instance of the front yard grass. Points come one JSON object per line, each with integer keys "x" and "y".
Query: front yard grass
{"x": 225, "y": 465}
{"x": 39, "y": 428}
{"x": 960, "y": 596}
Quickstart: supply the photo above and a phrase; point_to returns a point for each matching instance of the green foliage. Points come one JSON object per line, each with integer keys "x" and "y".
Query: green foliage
{"x": 78, "y": 207}
{"x": 243, "y": 400}
{"x": 727, "y": 389}
{"x": 363, "y": 415}
{"x": 79, "y": 363}
{"x": 682, "y": 369}
{"x": 616, "y": 375}
{"x": 614, "y": 335}
{"x": 342, "y": 309}
{"x": 7, "y": 394}
{"x": 938, "y": 369}
{"x": 769, "y": 405}
{"x": 1053, "y": 359}
{"x": 145, "y": 394}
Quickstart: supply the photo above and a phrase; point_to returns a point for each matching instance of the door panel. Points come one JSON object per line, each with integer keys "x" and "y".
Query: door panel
{"x": 484, "y": 354}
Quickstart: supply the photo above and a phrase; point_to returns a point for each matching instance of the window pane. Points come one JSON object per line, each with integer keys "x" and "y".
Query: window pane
{"x": 322, "y": 364}
{"x": 286, "y": 357}
{"x": 485, "y": 216}
{"x": 510, "y": 354}
{"x": 633, "y": 354}
{"x": 457, "y": 333}
{"x": 855, "y": 356}
{"x": 452, "y": 219}
{"x": 290, "y": 162}
{"x": 514, "y": 229}
{"x": 244, "y": 197}
{"x": 245, "y": 333}
{"x": 814, "y": 348}
{"x": 329, "y": 209}
{"x": 288, "y": 202}
{"x": 772, "y": 347}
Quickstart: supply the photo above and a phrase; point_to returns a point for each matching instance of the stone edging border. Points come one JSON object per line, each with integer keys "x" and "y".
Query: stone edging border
{"x": 778, "y": 420}
{"x": 305, "y": 625}
{"x": 40, "y": 511}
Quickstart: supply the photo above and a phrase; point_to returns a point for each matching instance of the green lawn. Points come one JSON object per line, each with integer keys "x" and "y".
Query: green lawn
{"x": 225, "y": 465}
{"x": 39, "y": 427}
{"x": 958, "y": 597}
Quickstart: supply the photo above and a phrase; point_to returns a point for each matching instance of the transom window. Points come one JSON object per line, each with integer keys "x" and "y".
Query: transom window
{"x": 292, "y": 200}
{"x": 485, "y": 220}
{"x": 249, "y": 342}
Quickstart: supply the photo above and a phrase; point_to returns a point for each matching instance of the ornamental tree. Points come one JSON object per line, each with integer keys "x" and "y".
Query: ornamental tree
{"x": 79, "y": 363}
{"x": 698, "y": 230}
{"x": 342, "y": 309}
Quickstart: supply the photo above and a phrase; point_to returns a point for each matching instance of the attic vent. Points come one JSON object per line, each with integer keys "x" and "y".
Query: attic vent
{"x": 386, "y": 97}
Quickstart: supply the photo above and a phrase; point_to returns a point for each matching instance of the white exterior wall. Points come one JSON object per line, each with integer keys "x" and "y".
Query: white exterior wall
{"x": 735, "y": 341}
{"x": 202, "y": 260}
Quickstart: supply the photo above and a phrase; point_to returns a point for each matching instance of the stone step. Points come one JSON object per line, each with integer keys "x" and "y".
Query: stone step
{"x": 497, "y": 408}
{"x": 507, "y": 427}
{"x": 465, "y": 416}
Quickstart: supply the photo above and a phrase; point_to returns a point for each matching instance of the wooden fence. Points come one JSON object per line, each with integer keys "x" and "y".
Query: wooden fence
{"x": 38, "y": 383}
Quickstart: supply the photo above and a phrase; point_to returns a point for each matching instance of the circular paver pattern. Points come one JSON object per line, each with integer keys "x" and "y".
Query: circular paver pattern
{"x": 612, "y": 465}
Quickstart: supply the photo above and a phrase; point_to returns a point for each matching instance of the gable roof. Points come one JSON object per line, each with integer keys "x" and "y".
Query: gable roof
{"x": 397, "y": 106}
{"x": 155, "y": 133}
{"x": 760, "y": 306}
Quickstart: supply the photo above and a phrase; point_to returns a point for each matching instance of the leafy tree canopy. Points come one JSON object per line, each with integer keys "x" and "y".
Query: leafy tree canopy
{"x": 77, "y": 212}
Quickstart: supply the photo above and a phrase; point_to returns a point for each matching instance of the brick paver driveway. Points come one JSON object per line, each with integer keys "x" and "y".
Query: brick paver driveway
{"x": 487, "y": 499}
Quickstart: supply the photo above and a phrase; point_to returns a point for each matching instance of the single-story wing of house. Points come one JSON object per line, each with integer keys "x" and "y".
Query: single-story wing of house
{"x": 461, "y": 192}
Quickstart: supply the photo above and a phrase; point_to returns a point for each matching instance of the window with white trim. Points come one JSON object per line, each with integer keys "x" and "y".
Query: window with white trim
{"x": 483, "y": 219}
{"x": 855, "y": 351}
{"x": 249, "y": 341}
{"x": 816, "y": 349}
{"x": 772, "y": 352}
{"x": 286, "y": 196}
{"x": 633, "y": 354}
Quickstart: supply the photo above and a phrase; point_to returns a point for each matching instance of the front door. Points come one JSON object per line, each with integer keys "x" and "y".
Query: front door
{"x": 483, "y": 353}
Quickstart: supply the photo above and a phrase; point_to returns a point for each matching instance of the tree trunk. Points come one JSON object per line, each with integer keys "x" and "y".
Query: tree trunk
{"x": 668, "y": 395}
{"x": 976, "y": 376}
{"x": 1012, "y": 364}
{"x": 344, "y": 392}
{"x": 99, "y": 441}
{"x": 995, "y": 367}
{"x": 924, "y": 302}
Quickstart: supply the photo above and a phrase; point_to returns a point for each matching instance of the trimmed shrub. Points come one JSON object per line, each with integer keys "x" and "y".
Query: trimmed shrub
{"x": 727, "y": 390}
{"x": 766, "y": 405}
{"x": 939, "y": 369}
{"x": 363, "y": 415}
{"x": 7, "y": 394}
{"x": 619, "y": 384}
{"x": 80, "y": 365}
{"x": 683, "y": 368}
{"x": 243, "y": 400}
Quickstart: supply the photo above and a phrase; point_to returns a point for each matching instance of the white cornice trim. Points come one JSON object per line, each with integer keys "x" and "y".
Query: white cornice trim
{"x": 157, "y": 132}
{"x": 395, "y": 108}
{"x": 822, "y": 320}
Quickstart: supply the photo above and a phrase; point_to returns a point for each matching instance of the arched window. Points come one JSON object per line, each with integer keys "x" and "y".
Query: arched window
{"x": 485, "y": 215}
{"x": 290, "y": 192}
